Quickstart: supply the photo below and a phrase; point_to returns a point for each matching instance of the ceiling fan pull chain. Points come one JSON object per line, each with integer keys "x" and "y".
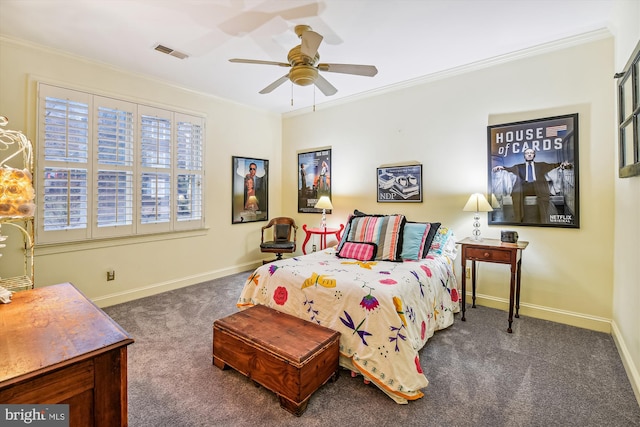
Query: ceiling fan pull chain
{"x": 292, "y": 94}
{"x": 314, "y": 98}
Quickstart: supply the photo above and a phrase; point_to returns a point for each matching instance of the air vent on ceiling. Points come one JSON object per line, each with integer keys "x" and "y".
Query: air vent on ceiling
{"x": 169, "y": 51}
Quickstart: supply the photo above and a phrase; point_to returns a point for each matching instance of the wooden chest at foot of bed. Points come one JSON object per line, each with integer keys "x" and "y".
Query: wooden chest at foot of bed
{"x": 287, "y": 355}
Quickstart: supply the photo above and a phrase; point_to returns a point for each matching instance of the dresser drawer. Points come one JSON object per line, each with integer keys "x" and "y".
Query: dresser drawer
{"x": 489, "y": 254}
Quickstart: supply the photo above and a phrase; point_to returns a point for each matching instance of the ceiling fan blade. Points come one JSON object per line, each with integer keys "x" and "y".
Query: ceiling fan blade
{"x": 310, "y": 43}
{"x": 246, "y": 22}
{"x": 359, "y": 70}
{"x": 257, "y": 61}
{"x": 296, "y": 13}
{"x": 325, "y": 87}
{"x": 275, "y": 84}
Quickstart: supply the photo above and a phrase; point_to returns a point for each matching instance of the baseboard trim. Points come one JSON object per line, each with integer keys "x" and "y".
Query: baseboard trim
{"x": 156, "y": 288}
{"x": 579, "y": 320}
{"x": 627, "y": 361}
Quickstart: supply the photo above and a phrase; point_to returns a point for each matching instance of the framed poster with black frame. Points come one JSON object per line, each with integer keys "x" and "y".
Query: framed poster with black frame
{"x": 533, "y": 172}
{"x": 399, "y": 183}
{"x": 249, "y": 189}
{"x": 314, "y": 179}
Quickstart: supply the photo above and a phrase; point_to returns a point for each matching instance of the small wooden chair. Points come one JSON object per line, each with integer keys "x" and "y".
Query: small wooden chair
{"x": 281, "y": 242}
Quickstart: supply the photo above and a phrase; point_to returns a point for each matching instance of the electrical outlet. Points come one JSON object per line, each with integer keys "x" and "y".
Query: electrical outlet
{"x": 111, "y": 275}
{"x": 468, "y": 273}
{"x": 313, "y": 248}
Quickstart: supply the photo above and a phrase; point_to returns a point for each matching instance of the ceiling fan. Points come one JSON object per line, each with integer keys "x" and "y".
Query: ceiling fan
{"x": 303, "y": 61}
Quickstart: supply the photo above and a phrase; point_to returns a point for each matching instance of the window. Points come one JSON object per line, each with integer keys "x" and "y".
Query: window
{"x": 189, "y": 164}
{"x": 628, "y": 121}
{"x": 112, "y": 168}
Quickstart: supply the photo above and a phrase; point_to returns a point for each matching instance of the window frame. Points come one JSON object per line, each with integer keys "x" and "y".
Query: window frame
{"x": 136, "y": 227}
{"x": 628, "y": 117}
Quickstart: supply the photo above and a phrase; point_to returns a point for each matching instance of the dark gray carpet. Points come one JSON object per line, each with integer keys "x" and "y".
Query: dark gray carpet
{"x": 544, "y": 374}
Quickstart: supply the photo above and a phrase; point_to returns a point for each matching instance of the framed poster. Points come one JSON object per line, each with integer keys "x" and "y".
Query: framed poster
{"x": 400, "y": 184}
{"x": 249, "y": 189}
{"x": 314, "y": 179}
{"x": 533, "y": 172}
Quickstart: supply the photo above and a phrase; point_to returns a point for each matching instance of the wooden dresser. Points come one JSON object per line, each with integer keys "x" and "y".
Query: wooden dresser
{"x": 56, "y": 346}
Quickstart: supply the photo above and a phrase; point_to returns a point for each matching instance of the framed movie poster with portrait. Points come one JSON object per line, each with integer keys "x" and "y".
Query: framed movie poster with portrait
{"x": 250, "y": 190}
{"x": 533, "y": 172}
{"x": 400, "y": 183}
{"x": 314, "y": 179}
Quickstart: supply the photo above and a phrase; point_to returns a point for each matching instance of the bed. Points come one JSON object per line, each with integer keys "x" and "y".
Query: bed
{"x": 386, "y": 287}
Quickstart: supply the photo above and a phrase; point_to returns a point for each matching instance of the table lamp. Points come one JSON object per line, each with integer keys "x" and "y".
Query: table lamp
{"x": 477, "y": 203}
{"x": 324, "y": 203}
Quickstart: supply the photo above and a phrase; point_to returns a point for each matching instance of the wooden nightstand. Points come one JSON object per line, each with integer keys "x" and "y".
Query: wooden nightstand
{"x": 492, "y": 250}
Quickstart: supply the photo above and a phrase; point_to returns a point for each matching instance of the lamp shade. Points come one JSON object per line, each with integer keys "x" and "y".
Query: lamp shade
{"x": 324, "y": 203}
{"x": 477, "y": 203}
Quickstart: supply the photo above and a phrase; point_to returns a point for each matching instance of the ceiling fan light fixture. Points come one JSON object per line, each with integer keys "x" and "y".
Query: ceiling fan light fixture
{"x": 304, "y": 68}
{"x": 303, "y": 75}
{"x": 297, "y": 57}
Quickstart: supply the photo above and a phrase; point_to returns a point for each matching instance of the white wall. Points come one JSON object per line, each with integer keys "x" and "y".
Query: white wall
{"x": 567, "y": 273}
{"x": 147, "y": 265}
{"x": 626, "y": 291}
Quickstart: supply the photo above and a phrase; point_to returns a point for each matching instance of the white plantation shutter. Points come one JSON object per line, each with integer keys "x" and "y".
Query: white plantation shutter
{"x": 156, "y": 192}
{"x": 155, "y": 169}
{"x": 155, "y": 138}
{"x": 112, "y": 168}
{"x": 114, "y": 199}
{"x": 189, "y": 200}
{"x": 65, "y": 149}
{"x": 189, "y": 169}
{"x": 65, "y": 199}
{"x": 66, "y": 137}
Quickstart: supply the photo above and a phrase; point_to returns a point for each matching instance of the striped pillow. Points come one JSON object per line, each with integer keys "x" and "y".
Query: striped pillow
{"x": 356, "y": 212}
{"x": 343, "y": 240}
{"x": 435, "y": 226}
{"x": 384, "y": 231}
{"x": 358, "y": 250}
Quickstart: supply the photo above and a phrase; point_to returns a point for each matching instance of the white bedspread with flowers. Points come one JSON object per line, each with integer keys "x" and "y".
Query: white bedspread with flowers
{"x": 385, "y": 311}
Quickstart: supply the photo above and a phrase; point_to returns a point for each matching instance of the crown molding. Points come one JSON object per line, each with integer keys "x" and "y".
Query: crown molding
{"x": 553, "y": 46}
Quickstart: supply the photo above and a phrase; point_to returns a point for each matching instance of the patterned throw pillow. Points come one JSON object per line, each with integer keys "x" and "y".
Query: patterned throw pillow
{"x": 435, "y": 226}
{"x": 358, "y": 250}
{"x": 414, "y": 238}
{"x": 343, "y": 240}
{"x": 440, "y": 240}
{"x": 384, "y": 231}
{"x": 347, "y": 227}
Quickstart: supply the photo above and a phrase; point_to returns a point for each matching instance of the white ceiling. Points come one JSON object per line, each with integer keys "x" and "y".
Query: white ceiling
{"x": 405, "y": 39}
